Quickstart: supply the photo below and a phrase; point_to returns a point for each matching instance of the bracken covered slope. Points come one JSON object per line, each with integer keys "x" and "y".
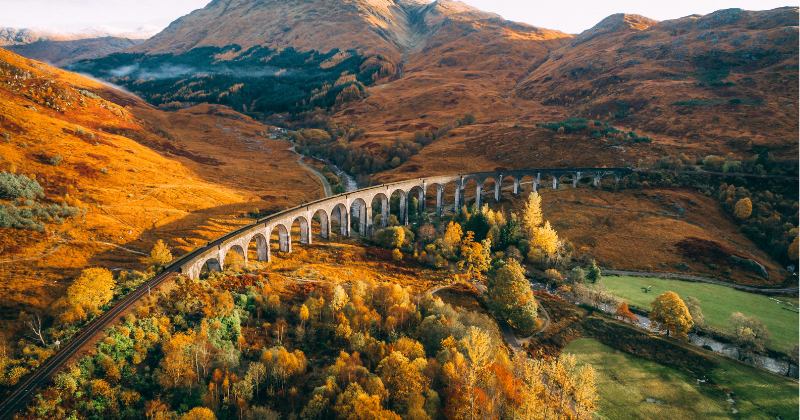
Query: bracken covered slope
{"x": 140, "y": 174}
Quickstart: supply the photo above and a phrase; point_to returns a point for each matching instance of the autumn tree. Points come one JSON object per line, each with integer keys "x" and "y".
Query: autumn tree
{"x": 160, "y": 256}
{"x": 391, "y": 237}
{"x": 475, "y": 258}
{"x": 91, "y": 290}
{"x": 625, "y": 313}
{"x": 693, "y": 304}
{"x": 426, "y": 234}
{"x": 512, "y": 297}
{"x": 794, "y": 249}
{"x": 743, "y": 209}
{"x": 177, "y": 364}
{"x": 532, "y": 215}
{"x": 199, "y": 413}
{"x": 750, "y": 333}
{"x": 452, "y": 238}
{"x": 546, "y": 238}
{"x": 670, "y": 314}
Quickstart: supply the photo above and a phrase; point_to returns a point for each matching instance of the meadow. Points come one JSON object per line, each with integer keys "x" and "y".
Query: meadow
{"x": 634, "y": 388}
{"x": 717, "y": 303}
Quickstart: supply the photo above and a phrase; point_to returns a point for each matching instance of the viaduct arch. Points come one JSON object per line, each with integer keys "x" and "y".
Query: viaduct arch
{"x": 338, "y": 207}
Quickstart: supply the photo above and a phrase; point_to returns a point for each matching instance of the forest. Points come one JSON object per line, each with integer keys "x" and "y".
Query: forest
{"x": 246, "y": 345}
{"x": 256, "y": 81}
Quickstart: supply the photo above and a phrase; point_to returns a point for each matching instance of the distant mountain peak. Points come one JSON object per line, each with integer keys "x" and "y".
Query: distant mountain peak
{"x": 616, "y": 23}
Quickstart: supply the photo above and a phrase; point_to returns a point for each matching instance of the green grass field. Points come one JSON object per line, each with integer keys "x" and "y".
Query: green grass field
{"x": 626, "y": 382}
{"x": 717, "y": 303}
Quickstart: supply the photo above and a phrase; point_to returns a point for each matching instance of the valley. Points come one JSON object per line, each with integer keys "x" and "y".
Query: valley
{"x": 400, "y": 209}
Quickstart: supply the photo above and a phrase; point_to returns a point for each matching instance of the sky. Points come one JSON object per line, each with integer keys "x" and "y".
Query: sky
{"x": 571, "y": 16}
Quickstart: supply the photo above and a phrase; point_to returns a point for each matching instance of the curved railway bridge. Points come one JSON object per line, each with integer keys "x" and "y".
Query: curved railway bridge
{"x": 339, "y": 208}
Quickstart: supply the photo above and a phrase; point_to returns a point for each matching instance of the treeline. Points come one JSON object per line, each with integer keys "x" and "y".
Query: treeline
{"x": 767, "y": 208}
{"x": 594, "y": 129}
{"x": 239, "y": 346}
{"x": 256, "y": 81}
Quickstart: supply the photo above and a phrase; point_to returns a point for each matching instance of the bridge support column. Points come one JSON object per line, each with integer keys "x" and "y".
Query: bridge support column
{"x": 366, "y": 222}
{"x": 516, "y": 186}
{"x": 497, "y": 184}
{"x": 403, "y": 219}
{"x": 439, "y": 197}
{"x": 456, "y": 202}
{"x": 478, "y": 195}
{"x": 595, "y": 180}
{"x": 555, "y": 183}
{"x": 421, "y": 200}
{"x": 535, "y": 185}
{"x": 575, "y": 179}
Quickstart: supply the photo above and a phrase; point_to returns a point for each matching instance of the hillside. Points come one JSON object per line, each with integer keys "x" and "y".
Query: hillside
{"x": 61, "y": 53}
{"x": 720, "y": 83}
{"x": 135, "y": 175}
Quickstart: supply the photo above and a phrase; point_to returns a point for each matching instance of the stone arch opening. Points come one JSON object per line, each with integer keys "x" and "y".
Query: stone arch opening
{"x": 416, "y": 202}
{"x": 398, "y": 207}
{"x": 300, "y": 231}
{"x": 211, "y": 264}
{"x": 449, "y": 202}
{"x": 257, "y": 248}
{"x": 491, "y": 190}
{"x": 339, "y": 219}
{"x": 380, "y": 210}
{"x": 320, "y": 224}
{"x": 359, "y": 217}
{"x": 585, "y": 180}
{"x": 508, "y": 185}
{"x": 607, "y": 181}
{"x": 279, "y": 240}
{"x": 234, "y": 258}
{"x": 566, "y": 179}
{"x": 469, "y": 192}
{"x": 528, "y": 184}
{"x": 546, "y": 181}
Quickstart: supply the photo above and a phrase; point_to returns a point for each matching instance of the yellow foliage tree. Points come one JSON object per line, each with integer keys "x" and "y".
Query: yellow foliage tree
{"x": 473, "y": 258}
{"x": 91, "y": 290}
{"x": 743, "y": 209}
{"x": 160, "y": 256}
{"x": 670, "y": 314}
{"x": 532, "y": 215}
{"x": 452, "y": 237}
{"x": 794, "y": 250}
{"x": 178, "y": 364}
{"x": 546, "y": 238}
{"x": 199, "y": 413}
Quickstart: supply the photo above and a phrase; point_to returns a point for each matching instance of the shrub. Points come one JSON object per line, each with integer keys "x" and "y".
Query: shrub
{"x": 14, "y": 186}
{"x": 397, "y": 256}
{"x": 56, "y": 160}
{"x": 391, "y": 237}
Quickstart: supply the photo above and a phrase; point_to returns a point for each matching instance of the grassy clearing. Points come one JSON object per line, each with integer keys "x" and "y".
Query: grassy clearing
{"x": 625, "y": 383}
{"x": 717, "y": 303}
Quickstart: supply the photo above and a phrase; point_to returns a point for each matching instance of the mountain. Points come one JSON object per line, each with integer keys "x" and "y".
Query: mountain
{"x": 60, "y": 48}
{"x": 132, "y": 174}
{"x": 397, "y": 78}
{"x": 61, "y": 53}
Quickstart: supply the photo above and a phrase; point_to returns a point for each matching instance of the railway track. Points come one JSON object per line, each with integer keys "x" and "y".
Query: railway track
{"x": 21, "y": 395}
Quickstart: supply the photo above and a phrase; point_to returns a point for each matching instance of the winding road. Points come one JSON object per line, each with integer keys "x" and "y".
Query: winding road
{"x": 325, "y": 185}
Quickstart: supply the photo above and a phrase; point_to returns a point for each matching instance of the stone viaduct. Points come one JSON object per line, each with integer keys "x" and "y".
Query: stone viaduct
{"x": 340, "y": 207}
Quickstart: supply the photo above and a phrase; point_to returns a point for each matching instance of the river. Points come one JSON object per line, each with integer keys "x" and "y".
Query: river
{"x": 780, "y": 367}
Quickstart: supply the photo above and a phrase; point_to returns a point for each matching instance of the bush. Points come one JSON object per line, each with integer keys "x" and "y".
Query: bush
{"x": 397, "y": 256}
{"x": 14, "y": 186}
{"x": 391, "y": 237}
{"x": 56, "y": 160}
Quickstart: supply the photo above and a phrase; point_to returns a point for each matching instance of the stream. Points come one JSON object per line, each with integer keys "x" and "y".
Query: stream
{"x": 780, "y": 367}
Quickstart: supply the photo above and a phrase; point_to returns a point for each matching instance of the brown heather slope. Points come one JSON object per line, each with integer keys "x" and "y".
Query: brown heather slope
{"x": 725, "y": 82}
{"x": 183, "y": 177}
